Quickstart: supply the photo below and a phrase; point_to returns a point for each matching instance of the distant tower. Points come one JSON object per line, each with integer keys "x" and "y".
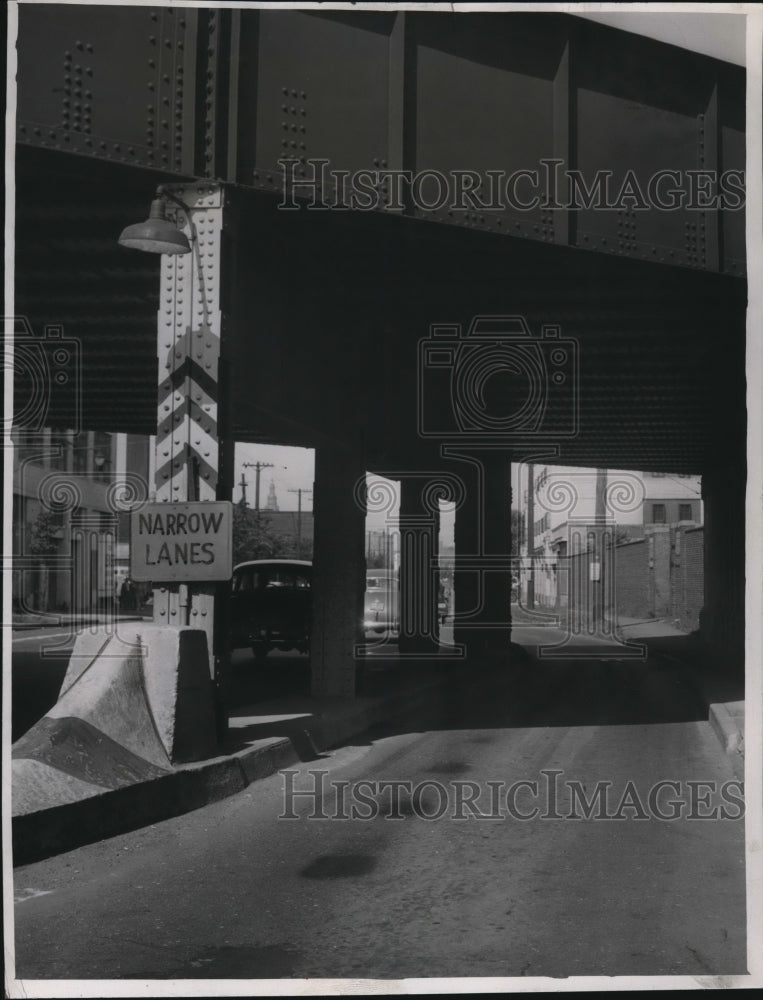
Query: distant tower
{"x": 272, "y": 501}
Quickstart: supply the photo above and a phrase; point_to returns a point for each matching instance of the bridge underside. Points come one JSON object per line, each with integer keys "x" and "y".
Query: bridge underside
{"x": 327, "y": 315}
{"x": 348, "y": 331}
{"x": 330, "y": 309}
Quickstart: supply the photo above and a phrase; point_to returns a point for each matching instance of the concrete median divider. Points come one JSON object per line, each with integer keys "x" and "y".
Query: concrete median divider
{"x": 155, "y": 677}
{"x": 130, "y": 741}
{"x": 134, "y": 702}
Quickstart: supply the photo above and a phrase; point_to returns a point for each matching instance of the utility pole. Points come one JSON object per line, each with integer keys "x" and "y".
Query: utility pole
{"x": 243, "y": 489}
{"x": 531, "y": 536}
{"x": 299, "y": 519}
{"x": 600, "y": 513}
{"x": 257, "y": 466}
{"x": 600, "y": 535}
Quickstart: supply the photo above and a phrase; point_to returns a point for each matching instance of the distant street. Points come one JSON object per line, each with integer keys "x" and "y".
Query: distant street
{"x": 41, "y": 656}
{"x": 40, "y": 659}
{"x": 233, "y": 891}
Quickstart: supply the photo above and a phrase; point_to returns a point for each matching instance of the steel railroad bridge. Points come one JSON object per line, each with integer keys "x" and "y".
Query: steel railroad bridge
{"x": 302, "y": 316}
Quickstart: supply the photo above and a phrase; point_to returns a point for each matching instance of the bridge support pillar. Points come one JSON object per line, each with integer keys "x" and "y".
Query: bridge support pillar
{"x": 722, "y": 618}
{"x": 194, "y": 448}
{"x": 483, "y": 556}
{"x": 339, "y": 572}
{"x": 419, "y": 576}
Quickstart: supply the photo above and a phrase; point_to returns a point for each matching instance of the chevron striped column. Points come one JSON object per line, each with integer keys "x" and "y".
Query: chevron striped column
{"x": 189, "y": 327}
{"x": 188, "y": 443}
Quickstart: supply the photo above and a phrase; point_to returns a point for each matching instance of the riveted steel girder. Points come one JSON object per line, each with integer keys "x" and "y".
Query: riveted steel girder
{"x": 539, "y": 126}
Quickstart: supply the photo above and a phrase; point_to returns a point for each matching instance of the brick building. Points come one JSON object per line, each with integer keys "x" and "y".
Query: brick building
{"x": 71, "y": 493}
{"x": 652, "y": 521}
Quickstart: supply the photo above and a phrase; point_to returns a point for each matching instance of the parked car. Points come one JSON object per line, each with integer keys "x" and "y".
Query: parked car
{"x": 382, "y": 603}
{"x": 271, "y": 605}
{"x": 381, "y": 610}
{"x": 443, "y": 604}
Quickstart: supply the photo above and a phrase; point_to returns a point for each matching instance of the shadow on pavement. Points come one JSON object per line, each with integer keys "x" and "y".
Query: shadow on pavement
{"x": 520, "y": 690}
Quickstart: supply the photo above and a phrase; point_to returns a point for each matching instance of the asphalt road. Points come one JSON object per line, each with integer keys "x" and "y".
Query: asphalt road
{"x": 234, "y": 891}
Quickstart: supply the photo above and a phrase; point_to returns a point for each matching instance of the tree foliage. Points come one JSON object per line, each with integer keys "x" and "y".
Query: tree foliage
{"x": 43, "y": 540}
{"x": 517, "y": 530}
{"x": 253, "y": 536}
{"x": 376, "y": 560}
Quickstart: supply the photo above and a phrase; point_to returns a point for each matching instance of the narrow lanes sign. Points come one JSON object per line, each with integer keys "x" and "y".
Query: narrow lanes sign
{"x": 182, "y": 542}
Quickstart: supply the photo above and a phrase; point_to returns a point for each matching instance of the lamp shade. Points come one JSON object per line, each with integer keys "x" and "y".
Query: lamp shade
{"x": 156, "y": 235}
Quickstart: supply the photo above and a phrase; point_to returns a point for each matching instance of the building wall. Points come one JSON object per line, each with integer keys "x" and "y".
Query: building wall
{"x": 135, "y": 459}
{"x": 547, "y": 585}
{"x": 632, "y": 584}
{"x": 566, "y": 497}
{"x": 687, "y": 578}
{"x": 78, "y": 569}
{"x": 658, "y": 485}
{"x": 563, "y": 494}
{"x": 673, "y": 510}
{"x": 660, "y": 576}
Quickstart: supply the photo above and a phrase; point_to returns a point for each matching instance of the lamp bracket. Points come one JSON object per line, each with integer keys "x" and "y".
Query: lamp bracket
{"x": 195, "y": 196}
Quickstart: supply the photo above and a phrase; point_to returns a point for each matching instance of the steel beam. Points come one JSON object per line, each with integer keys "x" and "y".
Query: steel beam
{"x": 192, "y": 437}
{"x": 476, "y": 97}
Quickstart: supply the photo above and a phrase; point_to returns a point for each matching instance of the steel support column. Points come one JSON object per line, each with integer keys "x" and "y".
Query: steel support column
{"x": 193, "y": 445}
{"x": 339, "y": 567}
{"x": 483, "y": 555}
{"x": 419, "y": 576}
{"x": 722, "y": 618}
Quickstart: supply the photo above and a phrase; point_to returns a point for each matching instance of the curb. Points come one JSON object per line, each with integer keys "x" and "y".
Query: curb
{"x": 726, "y": 726}
{"x": 726, "y": 718}
{"x": 727, "y": 721}
{"x": 73, "y": 624}
{"x": 47, "y": 832}
{"x": 41, "y": 834}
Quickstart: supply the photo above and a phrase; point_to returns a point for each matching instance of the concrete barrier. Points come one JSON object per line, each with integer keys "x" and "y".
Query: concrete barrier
{"x": 174, "y": 677}
{"x": 132, "y": 705}
{"x": 109, "y": 694}
{"x": 179, "y": 690}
